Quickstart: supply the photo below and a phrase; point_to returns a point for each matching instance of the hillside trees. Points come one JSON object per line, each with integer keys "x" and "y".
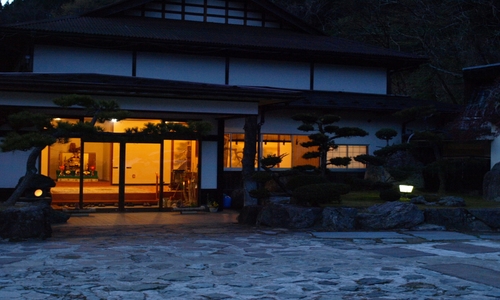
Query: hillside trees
{"x": 453, "y": 34}
{"x": 31, "y": 10}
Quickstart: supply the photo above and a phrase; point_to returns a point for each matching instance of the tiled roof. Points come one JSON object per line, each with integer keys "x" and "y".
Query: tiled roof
{"x": 144, "y": 87}
{"x": 84, "y": 83}
{"x": 220, "y": 36}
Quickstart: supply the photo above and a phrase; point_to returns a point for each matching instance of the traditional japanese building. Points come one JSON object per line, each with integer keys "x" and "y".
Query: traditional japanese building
{"x": 183, "y": 60}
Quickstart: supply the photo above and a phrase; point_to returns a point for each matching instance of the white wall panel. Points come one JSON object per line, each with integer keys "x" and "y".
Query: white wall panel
{"x": 350, "y": 79}
{"x": 13, "y": 165}
{"x": 269, "y": 73}
{"x": 53, "y": 59}
{"x": 208, "y": 176}
{"x": 181, "y": 67}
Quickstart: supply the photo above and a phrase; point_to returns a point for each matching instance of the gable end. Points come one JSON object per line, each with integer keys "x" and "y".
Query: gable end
{"x": 231, "y": 12}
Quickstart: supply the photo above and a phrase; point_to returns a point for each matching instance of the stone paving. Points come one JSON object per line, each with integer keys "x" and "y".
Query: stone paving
{"x": 231, "y": 261}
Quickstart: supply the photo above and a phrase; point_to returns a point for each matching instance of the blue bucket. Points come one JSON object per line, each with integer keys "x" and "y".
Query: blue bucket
{"x": 227, "y": 201}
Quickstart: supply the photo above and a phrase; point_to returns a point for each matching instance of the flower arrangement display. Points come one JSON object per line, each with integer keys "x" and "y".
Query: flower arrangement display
{"x": 213, "y": 206}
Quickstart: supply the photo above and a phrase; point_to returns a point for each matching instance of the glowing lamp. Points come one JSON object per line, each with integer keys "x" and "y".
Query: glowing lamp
{"x": 38, "y": 193}
{"x": 406, "y": 189}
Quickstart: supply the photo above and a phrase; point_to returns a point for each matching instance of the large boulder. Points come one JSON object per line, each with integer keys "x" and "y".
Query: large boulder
{"x": 451, "y": 219}
{"x": 288, "y": 216}
{"x": 452, "y": 201}
{"x": 491, "y": 184}
{"x": 490, "y": 217}
{"x": 339, "y": 218}
{"x": 455, "y": 219}
{"x": 58, "y": 217}
{"x": 376, "y": 173}
{"x": 390, "y": 215}
{"x": 26, "y": 221}
{"x": 248, "y": 214}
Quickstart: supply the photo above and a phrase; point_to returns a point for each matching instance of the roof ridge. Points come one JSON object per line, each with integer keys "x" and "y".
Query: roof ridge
{"x": 276, "y": 10}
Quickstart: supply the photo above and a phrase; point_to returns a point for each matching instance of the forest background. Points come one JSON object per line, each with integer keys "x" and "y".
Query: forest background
{"x": 452, "y": 34}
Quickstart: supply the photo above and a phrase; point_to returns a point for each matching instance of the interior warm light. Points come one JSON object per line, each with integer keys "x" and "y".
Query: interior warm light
{"x": 407, "y": 189}
{"x": 114, "y": 120}
{"x": 38, "y": 193}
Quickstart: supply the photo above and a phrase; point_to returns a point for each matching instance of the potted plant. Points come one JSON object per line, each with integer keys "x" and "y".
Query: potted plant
{"x": 213, "y": 206}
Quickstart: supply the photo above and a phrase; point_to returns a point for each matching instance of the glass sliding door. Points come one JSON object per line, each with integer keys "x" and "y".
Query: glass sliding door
{"x": 180, "y": 173}
{"x": 142, "y": 168}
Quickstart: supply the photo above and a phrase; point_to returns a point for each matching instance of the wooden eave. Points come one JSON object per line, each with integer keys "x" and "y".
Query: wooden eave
{"x": 97, "y": 84}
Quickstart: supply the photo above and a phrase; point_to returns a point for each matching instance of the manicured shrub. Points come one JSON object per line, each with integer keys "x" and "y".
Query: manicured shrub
{"x": 261, "y": 195}
{"x": 390, "y": 195}
{"x": 381, "y": 186}
{"x": 261, "y": 177}
{"x": 302, "y": 180}
{"x": 319, "y": 194}
{"x": 359, "y": 184}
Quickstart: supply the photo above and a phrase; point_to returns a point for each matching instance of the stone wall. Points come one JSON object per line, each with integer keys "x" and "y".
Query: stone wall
{"x": 387, "y": 216}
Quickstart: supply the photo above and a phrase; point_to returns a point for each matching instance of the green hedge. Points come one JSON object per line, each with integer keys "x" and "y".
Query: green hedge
{"x": 390, "y": 195}
{"x": 303, "y": 180}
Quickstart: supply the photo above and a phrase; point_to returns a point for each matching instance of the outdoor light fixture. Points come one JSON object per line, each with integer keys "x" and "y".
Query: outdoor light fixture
{"x": 406, "y": 189}
{"x": 38, "y": 193}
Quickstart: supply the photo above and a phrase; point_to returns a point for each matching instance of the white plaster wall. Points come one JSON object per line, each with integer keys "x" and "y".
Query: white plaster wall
{"x": 54, "y": 59}
{"x": 13, "y": 167}
{"x": 350, "y": 79}
{"x": 181, "y": 67}
{"x": 282, "y": 123}
{"x": 269, "y": 73}
{"x": 208, "y": 176}
{"x": 27, "y": 99}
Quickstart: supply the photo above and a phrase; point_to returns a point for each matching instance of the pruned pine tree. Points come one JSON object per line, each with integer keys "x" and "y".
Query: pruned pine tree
{"x": 35, "y": 131}
{"x": 324, "y": 136}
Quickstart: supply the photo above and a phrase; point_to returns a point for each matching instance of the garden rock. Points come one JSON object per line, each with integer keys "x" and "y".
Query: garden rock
{"x": 451, "y": 219}
{"x": 491, "y": 184}
{"x": 376, "y": 173}
{"x": 419, "y": 200}
{"x": 455, "y": 219}
{"x": 288, "y": 216}
{"x": 26, "y": 221}
{"x": 451, "y": 201}
{"x": 339, "y": 219}
{"x": 391, "y": 215}
{"x": 279, "y": 199}
{"x": 58, "y": 217}
{"x": 248, "y": 214}
{"x": 490, "y": 217}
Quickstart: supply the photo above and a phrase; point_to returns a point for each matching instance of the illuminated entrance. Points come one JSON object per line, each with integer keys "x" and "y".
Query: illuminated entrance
{"x": 123, "y": 174}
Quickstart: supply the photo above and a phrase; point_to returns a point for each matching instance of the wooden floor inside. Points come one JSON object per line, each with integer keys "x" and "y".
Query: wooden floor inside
{"x": 103, "y": 193}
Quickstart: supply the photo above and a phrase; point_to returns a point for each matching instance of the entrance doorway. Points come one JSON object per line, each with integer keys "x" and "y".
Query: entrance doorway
{"x": 123, "y": 176}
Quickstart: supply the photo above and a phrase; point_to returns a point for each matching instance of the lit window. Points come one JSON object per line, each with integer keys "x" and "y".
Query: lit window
{"x": 278, "y": 144}
{"x": 233, "y": 150}
{"x": 348, "y": 151}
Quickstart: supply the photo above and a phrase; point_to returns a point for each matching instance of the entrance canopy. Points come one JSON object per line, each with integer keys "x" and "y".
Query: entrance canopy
{"x": 158, "y": 96}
